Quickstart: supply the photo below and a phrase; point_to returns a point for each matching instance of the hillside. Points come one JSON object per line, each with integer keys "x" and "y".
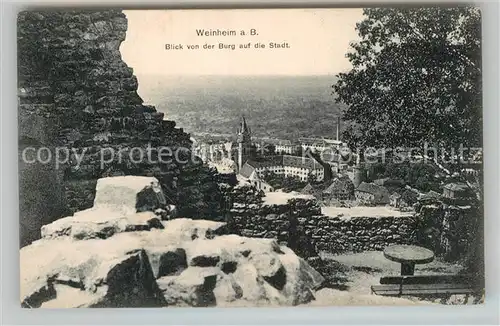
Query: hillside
{"x": 275, "y": 106}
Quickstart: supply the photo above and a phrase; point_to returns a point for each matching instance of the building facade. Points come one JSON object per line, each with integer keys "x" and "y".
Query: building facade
{"x": 288, "y": 166}
{"x": 281, "y": 146}
{"x": 213, "y": 152}
{"x": 321, "y": 144}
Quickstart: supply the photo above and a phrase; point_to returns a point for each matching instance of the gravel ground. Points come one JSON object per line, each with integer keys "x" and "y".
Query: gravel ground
{"x": 362, "y": 270}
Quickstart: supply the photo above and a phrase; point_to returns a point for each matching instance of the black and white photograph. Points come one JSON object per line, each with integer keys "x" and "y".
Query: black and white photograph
{"x": 250, "y": 157}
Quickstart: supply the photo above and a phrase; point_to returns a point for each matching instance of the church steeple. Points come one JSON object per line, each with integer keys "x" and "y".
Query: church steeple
{"x": 244, "y": 132}
{"x": 244, "y": 142}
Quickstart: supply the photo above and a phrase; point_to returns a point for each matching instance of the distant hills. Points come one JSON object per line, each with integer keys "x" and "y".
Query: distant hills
{"x": 275, "y": 106}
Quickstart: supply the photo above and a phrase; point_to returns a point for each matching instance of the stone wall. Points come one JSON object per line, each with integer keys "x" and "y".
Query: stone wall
{"x": 447, "y": 229}
{"x": 76, "y": 93}
{"x": 300, "y": 225}
{"x": 41, "y": 196}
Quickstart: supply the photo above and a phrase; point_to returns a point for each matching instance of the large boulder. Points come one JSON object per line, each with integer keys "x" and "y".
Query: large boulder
{"x": 267, "y": 274}
{"x": 254, "y": 272}
{"x": 129, "y": 194}
{"x": 122, "y": 204}
{"x": 186, "y": 229}
{"x": 100, "y": 223}
{"x": 163, "y": 267}
{"x": 194, "y": 287}
{"x": 92, "y": 273}
{"x": 120, "y": 254}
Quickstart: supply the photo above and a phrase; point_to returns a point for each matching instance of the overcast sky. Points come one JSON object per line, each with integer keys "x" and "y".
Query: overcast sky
{"x": 318, "y": 40}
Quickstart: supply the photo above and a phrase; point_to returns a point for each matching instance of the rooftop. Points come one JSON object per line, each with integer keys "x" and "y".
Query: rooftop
{"x": 430, "y": 195}
{"x": 246, "y": 170}
{"x": 269, "y": 161}
{"x": 301, "y": 162}
{"x": 319, "y": 141}
{"x": 371, "y": 188}
{"x": 274, "y": 141}
{"x": 339, "y": 184}
{"x": 286, "y": 160}
{"x": 308, "y": 189}
{"x": 456, "y": 186}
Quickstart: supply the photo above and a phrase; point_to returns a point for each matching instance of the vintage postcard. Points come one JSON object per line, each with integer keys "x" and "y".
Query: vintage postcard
{"x": 250, "y": 157}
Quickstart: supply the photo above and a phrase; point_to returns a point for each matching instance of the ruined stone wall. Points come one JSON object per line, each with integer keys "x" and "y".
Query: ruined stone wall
{"x": 76, "y": 93}
{"x": 447, "y": 229}
{"x": 300, "y": 224}
{"x": 41, "y": 195}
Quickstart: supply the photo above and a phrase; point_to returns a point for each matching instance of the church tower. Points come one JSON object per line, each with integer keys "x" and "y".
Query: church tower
{"x": 244, "y": 142}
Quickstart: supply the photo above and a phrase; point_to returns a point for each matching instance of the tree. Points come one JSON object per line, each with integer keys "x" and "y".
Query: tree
{"x": 312, "y": 178}
{"x": 422, "y": 176}
{"x": 416, "y": 79}
{"x": 273, "y": 179}
{"x": 268, "y": 150}
{"x": 292, "y": 183}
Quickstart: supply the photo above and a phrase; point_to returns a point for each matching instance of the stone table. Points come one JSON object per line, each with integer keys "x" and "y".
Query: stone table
{"x": 408, "y": 256}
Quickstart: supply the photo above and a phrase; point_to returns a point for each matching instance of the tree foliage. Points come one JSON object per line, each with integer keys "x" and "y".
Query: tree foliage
{"x": 286, "y": 184}
{"x": 421, "y": 176}
{"x": 416, "y": 79}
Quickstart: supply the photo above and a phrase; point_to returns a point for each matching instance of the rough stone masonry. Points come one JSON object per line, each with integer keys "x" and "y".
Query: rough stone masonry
{"x": 76, "y": 92}
{"x": 445, "y": 229}
{"x": 301, "y": 226}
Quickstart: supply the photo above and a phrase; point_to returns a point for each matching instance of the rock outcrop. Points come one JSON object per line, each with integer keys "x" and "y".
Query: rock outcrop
{"x": 122, "y": 204}
{"x": 112, "y": 255}
{"x": 78, "y": 100}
